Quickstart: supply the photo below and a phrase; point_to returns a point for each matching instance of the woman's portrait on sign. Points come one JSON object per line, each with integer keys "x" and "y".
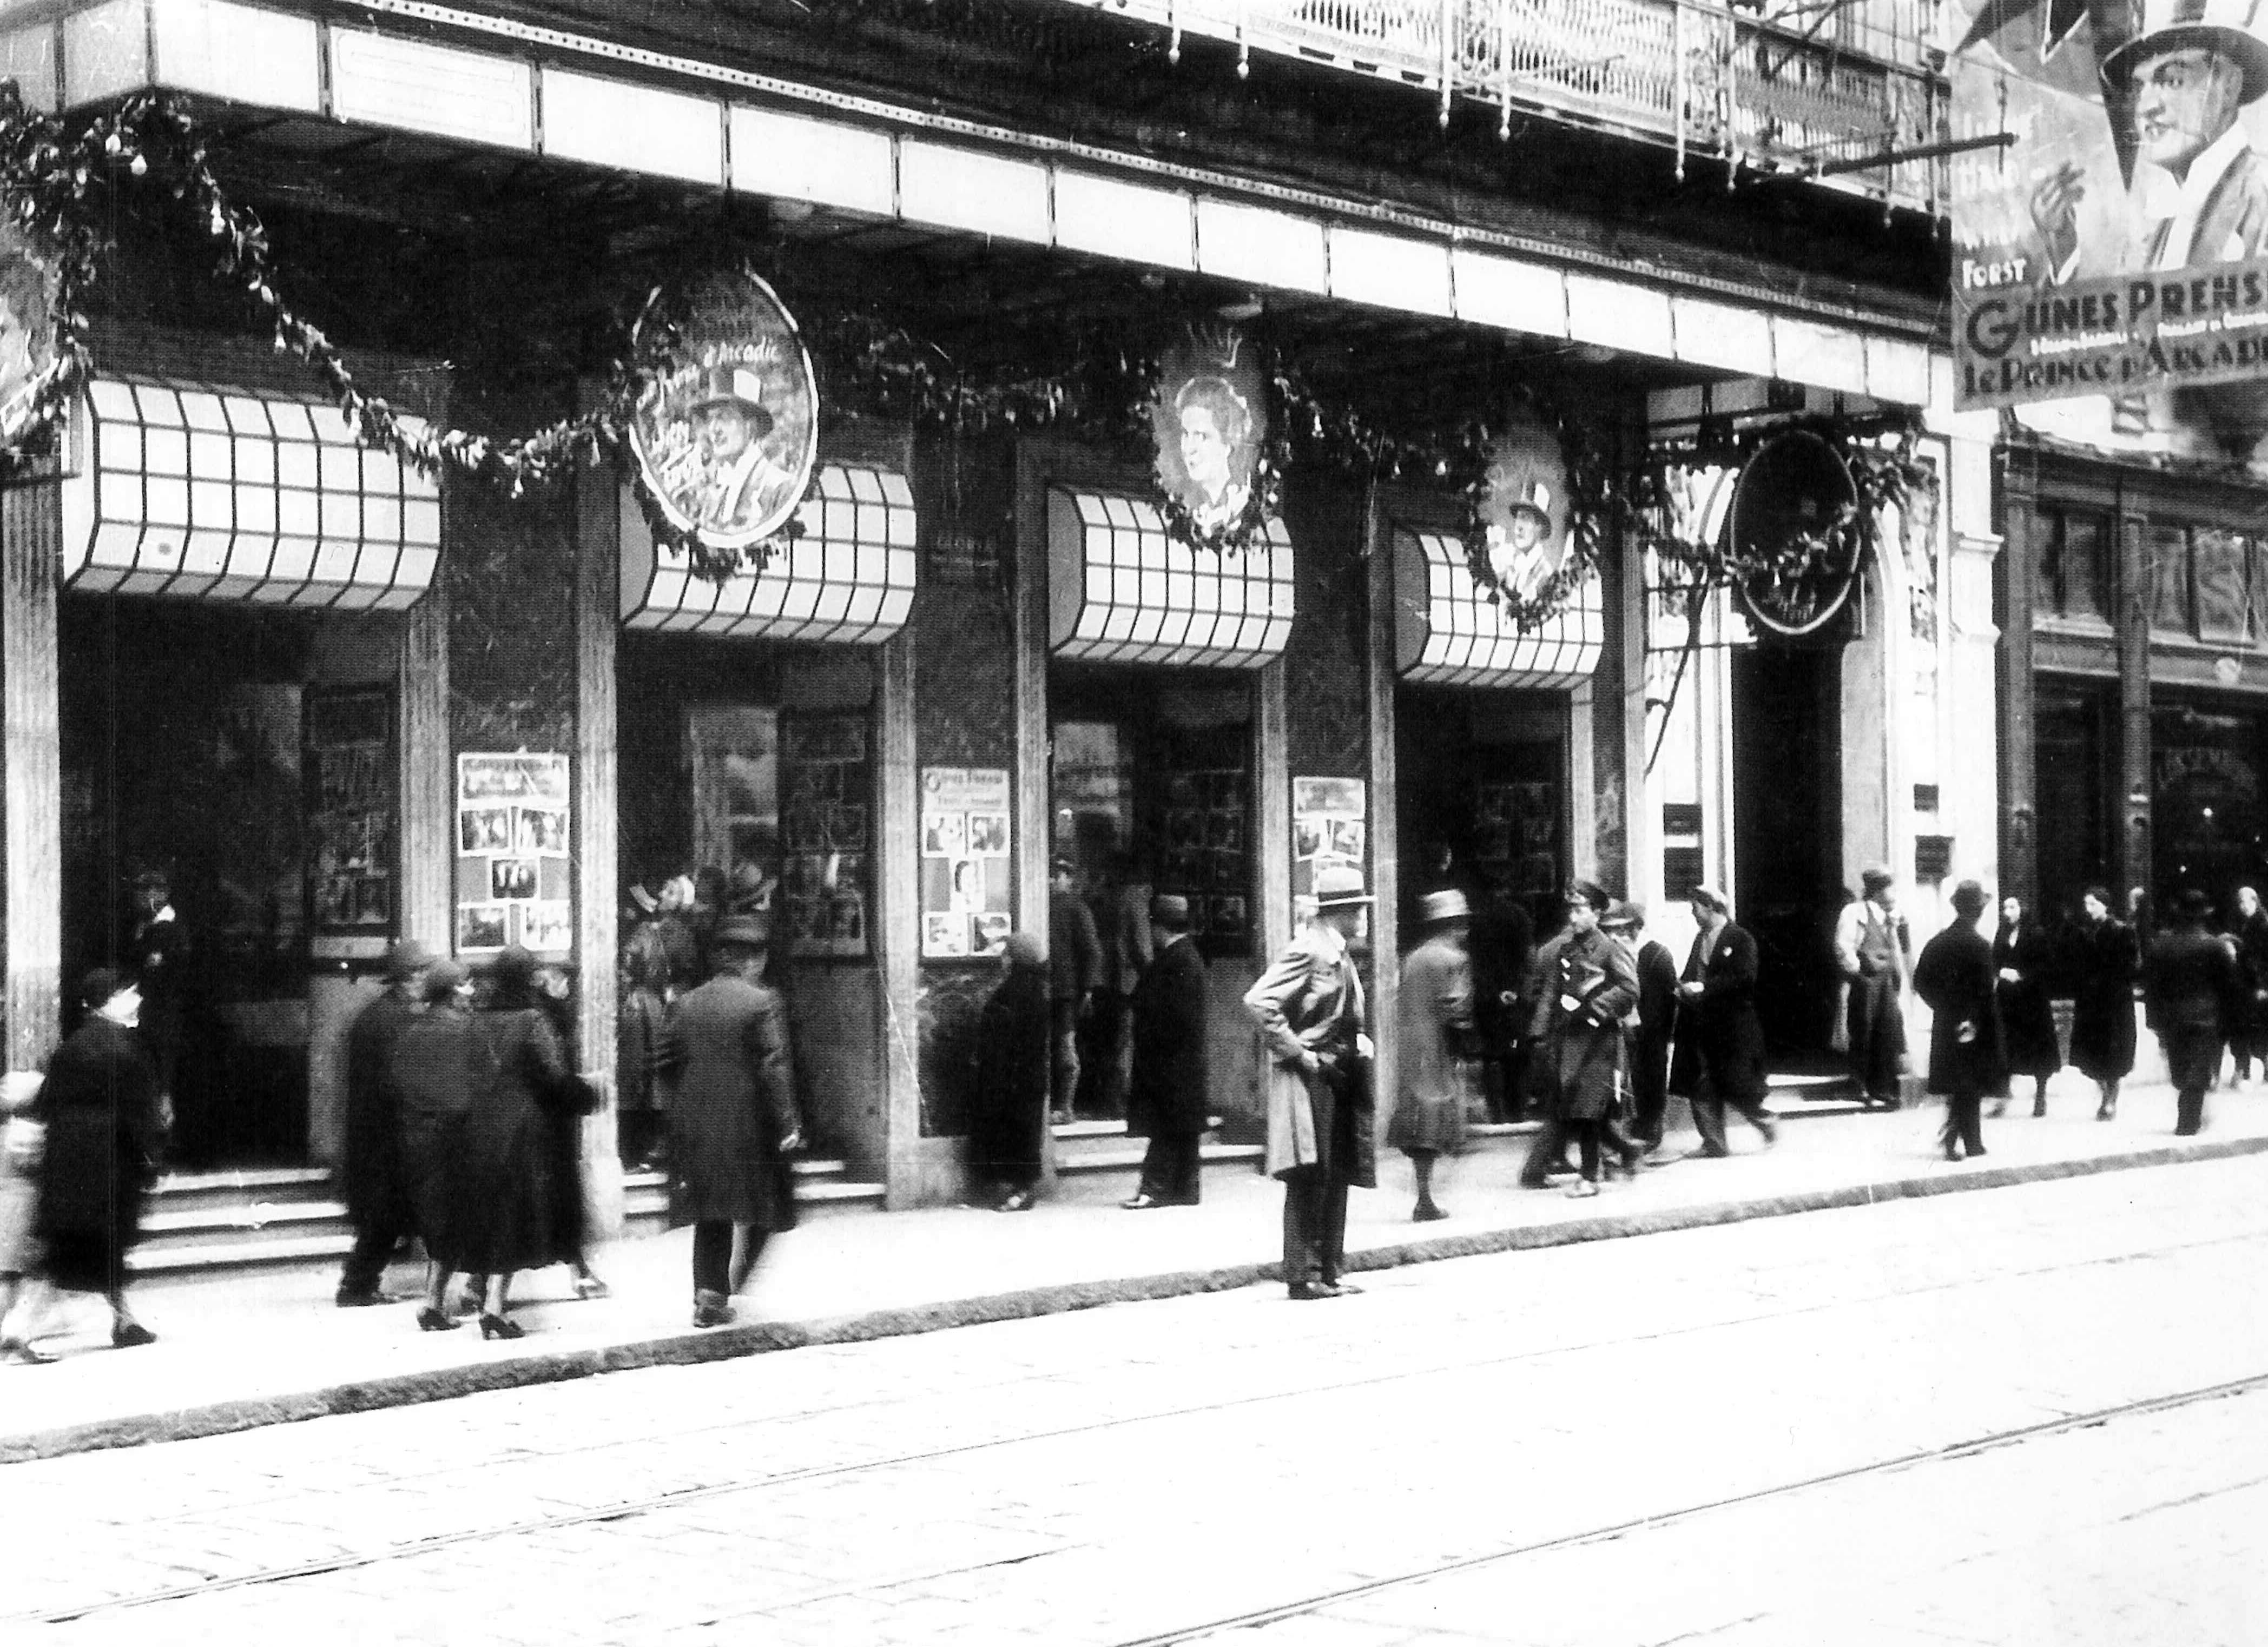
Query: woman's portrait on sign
{"x": 725, "y": 438}
{"x": 27, "y": 341}
{"x": 1210, "y": 419}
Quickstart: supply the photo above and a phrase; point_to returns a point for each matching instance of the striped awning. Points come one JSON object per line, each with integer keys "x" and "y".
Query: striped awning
{"x": 223, "y": 494}
{"x": 1448, "y": 632}
{"x": 849, "y": 577}
{"x": 1123, "y": 590}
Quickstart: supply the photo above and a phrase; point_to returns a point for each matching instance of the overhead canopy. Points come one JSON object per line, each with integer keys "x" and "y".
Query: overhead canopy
{"x": 1448, "y": 632}
{"x": 849, "y": 577}
{"x": 221, "y": 494}
{"x": 1123, "y": 590}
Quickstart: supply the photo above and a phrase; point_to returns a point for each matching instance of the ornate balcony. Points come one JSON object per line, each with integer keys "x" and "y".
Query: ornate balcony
{"x": 1786, "y": 86}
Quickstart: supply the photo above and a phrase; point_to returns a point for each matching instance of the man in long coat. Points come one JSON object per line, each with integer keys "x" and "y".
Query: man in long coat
{"x": 1872, "y": 946}
{"x": 1311, "y": 1015}
{"x": 1954, "y": 977}
{"x": 1436, "y": 1022}
{"x": 1720, "y": 1059}
{"x": 2249, "y": 1037}
{"x": 1583, "y": 984}
{"x": 2190, "y": 991}
{"x": 732, "y": 1120}
{"x": 1657, "y": 1019}
{"x": 1169, "y": 1098}
{"x": 377, "y": 1186}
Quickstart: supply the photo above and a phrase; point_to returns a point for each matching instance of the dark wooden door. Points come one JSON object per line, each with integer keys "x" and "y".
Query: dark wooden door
{"x": 1788, "y": 837}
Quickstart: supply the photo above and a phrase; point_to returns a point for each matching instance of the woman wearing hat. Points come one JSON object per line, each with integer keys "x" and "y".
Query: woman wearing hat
{"x": 1585, "y": 983}
{"x": 1967, "y": 1059}
{"x": 1311, "y": 1013}
{"x": 100, "y": 1104}
{"x": 1435, "y": 1018}
{"x": 733, "y": 1121}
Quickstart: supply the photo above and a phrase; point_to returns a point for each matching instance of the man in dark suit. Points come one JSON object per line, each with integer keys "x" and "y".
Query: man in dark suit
{"x": 1720, "y": 1041}
{"x": 2190, "y": 991}
{"x": 1074, "y": 963}
{"x": 1955, "y": 978}
{"x": 1168, "y": 1097}
{"x": 732, "y": 1120}
{"x": 1657, "y": 1015}
{"x": 377, "y": 1186}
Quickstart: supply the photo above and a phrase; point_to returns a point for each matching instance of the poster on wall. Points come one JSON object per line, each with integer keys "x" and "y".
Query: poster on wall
{"x": 353, "y": 784}
{"x": 967, "y": 868}
{"x": 1206, "y": 852}
{"x": 514, "y": 877}
{"x": 2110, "y": 229}
{"x": 826, "y": 787}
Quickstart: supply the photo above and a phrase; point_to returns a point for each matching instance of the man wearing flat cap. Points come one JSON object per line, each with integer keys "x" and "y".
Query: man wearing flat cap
{"x": 376, "y": 1184}
{"x": 1311, "y": 1015}
{"x": 1875, "y": 952}
{"x": 746, "y": 487}
{"x": 1170, "y": 1092}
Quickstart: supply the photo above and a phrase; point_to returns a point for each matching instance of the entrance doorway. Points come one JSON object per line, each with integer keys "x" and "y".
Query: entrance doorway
{"x": 1787, "y": 808}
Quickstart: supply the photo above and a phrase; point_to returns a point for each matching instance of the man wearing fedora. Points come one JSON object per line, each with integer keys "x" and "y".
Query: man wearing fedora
{"x": 746, "y": 487}
{"x": 1435, "y": 1022}
{"x": 1873, "y": 949}
{"x": 1169, "y": 1095}
{"x": 1311, "y": 1013}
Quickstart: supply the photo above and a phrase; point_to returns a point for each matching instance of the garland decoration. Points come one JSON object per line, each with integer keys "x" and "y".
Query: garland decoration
{"x": 1590, "y": 501}
{"x": 1221, "y": 374}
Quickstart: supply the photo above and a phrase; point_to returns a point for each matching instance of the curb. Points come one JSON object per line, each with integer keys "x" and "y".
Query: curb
{"x": 693, "y": 1348}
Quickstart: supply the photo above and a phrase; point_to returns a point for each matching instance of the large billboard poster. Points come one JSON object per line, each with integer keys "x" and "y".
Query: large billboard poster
{"x": 2110, "y": 235}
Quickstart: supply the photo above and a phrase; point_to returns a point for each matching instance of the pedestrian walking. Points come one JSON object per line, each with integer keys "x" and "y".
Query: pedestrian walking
{"x": 1074, "y": 960}
{"x": 22, "y": 1148}
{"x": 2250, "y": 1039}
{"x": 374, "y": 1174}
{"x": 2023, "y": 966}
{"x": 1125, "y": 945}
{"x": 1311, "y": 1015}
{"x": 732, "y": 1120}
{"x": 433, "y": 1060}
{"x": 2106, "y": 961}
{"x": 1657, "y": 1020}
{"x": 567, "y": 1105}
{"x": 105, "y": 1122}
{"x": 1008, "y": 1114}
{"x": 504, "y": 1219}
{"x": 1718, "y": 1063}
{"x": 1170, "y": 1099}
{"x": 1954, "y": 979}
{"x": 1585, "y": 983}
{"x": 2190, "y": 991}
{"x": 1873, "y": 949}
{"x": 1436, "y": 1027}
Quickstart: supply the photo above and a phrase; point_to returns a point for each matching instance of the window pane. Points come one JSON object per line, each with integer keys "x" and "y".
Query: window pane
{"x": 2085, "y": 567}
{"x": 2220, "y": 585}
{"x": 2169, "y": 580}
{"x": 2047, "y": 561}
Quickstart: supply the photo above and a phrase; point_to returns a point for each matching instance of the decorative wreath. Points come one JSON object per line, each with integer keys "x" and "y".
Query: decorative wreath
{"x": 1230, "y": 368}
{"x": 1589, "y": 498}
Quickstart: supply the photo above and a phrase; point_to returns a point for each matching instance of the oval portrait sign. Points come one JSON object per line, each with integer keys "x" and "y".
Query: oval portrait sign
{"x": 1789, "y": 508}
{"x": 726, "y": 433}
{"x": 28, "y": 331}
{"x": 1523, "y": 508}
{"x": 1209, "y": 417}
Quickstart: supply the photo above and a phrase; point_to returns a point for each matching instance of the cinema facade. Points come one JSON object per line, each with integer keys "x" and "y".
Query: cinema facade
{"x": 341, "y": 700}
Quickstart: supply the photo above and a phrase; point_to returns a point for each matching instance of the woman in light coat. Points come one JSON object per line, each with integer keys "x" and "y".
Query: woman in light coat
{"x": 1435, "y": 1020}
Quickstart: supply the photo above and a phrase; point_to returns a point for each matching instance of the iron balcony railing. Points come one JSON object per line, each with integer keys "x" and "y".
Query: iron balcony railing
{"x": 1777, "y": 85}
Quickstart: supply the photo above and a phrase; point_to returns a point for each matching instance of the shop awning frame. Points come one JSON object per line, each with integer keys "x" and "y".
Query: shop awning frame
{"x": 1449, "y": 632}
{"x": 198, "y": 491}
{"x": 847, "y": 579}
{"x": 1124, "y": 590}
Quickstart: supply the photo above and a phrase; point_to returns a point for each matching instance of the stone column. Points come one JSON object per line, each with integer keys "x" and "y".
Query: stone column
{"x": 2018, "y": 567}
{"x": 32, "y": 871}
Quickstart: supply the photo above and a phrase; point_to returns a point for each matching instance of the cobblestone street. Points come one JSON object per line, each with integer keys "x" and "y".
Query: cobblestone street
{"x": 2030, "y": 1415}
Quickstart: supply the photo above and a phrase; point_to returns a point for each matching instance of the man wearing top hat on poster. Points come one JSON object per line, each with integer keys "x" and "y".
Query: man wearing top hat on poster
{"x": 746, "y": 487}
{"x": 1311, "y": 1015}
{"x": 1521, "y": 556}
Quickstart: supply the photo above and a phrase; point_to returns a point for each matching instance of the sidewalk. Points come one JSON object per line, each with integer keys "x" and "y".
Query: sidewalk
{"x": 235, "y": 1352}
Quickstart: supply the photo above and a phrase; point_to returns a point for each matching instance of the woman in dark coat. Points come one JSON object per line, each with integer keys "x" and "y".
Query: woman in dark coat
{"x": 1954, "y": 978}
{"x": 105, "y": 1125}
{"x": 732, "y": 1121}
{"x": 1008, "y": 1115}
{"x": 2022, "y": 959}
{"x": 433, "y": 1063}
{"x": 2106, "y": 961}
{"x": 502, "y": 1219}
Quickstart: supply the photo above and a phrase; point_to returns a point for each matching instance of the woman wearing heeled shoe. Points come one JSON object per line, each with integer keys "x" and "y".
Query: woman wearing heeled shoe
{"x": 105, "y": 1125}
{"x": 1436, "y": 1021}
{"x": 1584, "y": 983}
{"x": 502, "y": 1219}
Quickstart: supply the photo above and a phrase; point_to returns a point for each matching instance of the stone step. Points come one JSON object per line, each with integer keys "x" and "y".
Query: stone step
{"x": 822, "y": 1190}
{"x": 187, "y": 1191}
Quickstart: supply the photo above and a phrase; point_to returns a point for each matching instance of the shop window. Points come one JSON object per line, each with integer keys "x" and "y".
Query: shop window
{"x": 2223, "y": 592}
{"x": 2172, "y": 605}
{"x": 2256, "y": 591}
{"x": 2073, "y": 570}
{"x": 2072, "y": 778}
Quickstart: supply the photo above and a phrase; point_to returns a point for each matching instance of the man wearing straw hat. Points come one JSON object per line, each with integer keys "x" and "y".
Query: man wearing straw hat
{"x": 1311, "y": 1013}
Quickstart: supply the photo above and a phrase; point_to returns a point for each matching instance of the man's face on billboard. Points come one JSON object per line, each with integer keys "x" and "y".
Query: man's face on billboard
{"x": 2182, "y": 100}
